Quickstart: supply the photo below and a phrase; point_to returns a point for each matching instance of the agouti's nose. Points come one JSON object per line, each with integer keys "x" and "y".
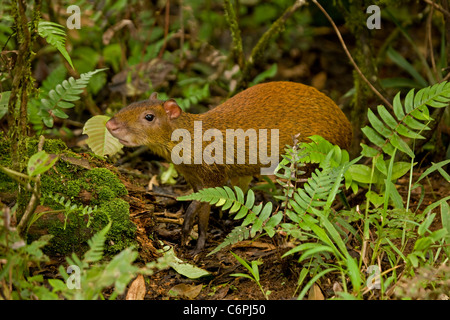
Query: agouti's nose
{"x": 112, "y": 125}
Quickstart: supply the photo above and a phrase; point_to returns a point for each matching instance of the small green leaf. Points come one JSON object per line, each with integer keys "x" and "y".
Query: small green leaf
{"x": 368, "y": 151}
{"x": 242, "y": 212}
{"x": 59, "y": 113}
{"x": 250, "y": 198}
{"x": 4, "y": 99}
{"x": 40, "y": 162}
{"x": 239, "y": 194}
{"x": 184, "y": 268}
{"x": 378, "y": 125}
{"x": 398, "y": 107}
{"x": 361, "y": 173}
{"x": 401, "y": 145}
{"x": 100, "y": 140}
{"x": 386, "y": 116}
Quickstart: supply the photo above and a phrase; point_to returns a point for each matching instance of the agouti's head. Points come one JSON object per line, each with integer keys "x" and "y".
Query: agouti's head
{"x": 149, "y": 122}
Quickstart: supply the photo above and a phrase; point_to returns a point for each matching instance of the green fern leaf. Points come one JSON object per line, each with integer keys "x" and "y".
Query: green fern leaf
{"x": 96, "y": 245}
{"x": 316, "y": 191}
{"x": 56, "y": 36}
{"x": 62, "y": 97}
{"x": 239, "y": 233}
{"x": 388, "y": 132}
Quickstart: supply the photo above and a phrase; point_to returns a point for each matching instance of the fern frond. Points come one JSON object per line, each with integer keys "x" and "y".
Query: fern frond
{"x": 63, "y": 96}
{"x": 317, "y": 193}
{"x": 318, "y": 150}
{"x": 69, "y": 207}
{"x": 259, "y": 216}
{"x": 411, "y": 118}
{"x": 96, "y": 245}
{"x": 239, "y": 233}
{"x": 224, "y": 197}
{"x": 56, "y": 36}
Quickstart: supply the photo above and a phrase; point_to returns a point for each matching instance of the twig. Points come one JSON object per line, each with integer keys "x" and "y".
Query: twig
{"x": 166, "y": 29}
{"x": 181, "y": 30}
{"x": 447, "y": 77}
{"x": 438, "y": 7}
{"x": 156, "y": 194}
{"x": 386, "y": 102}
{"x": 34, "y": 200}
{"x": 237, "y": 50}
{"x": 430, "y": 43}
{"x": 178, "y": 221}
{"x": 263, "y": 42}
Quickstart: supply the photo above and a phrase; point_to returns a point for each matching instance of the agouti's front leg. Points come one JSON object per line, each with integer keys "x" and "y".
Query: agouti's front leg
{"x": 202, "y": 210}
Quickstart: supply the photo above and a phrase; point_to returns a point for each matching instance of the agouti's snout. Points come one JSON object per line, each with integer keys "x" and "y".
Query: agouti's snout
{"x": 119, "y": 131}
{"x": 112, "y": 126}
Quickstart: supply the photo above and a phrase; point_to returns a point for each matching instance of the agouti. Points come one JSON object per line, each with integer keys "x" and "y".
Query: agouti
{"x": 206, "y": 150}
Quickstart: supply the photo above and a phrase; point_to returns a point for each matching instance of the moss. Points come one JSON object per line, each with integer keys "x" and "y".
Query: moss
{"x": 105, "y": 194}
{"x": 67, "y": 238}
{"x": 7, "y": 185}
{"x": 53, "y": 146}
{"x": 122, "y": 232}
{"x": 73, "y": 188}
{"x": 83, "y": 187}
{"x": 99, "y": 178}
{"x": 5, "y": 149}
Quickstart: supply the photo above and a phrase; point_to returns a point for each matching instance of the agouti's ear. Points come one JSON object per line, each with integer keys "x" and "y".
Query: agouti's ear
{"x": 154, "y": 96}
{"x": 172, "y": 109}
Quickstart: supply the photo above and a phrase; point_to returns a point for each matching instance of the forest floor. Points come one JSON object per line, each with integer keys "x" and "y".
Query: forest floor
{"x": 158, "y": 218}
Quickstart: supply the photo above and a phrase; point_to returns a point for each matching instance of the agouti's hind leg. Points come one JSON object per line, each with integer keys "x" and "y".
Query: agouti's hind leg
{"x": 203, "y": 219}
{"x": 194, "y": 209}
{"x": 189, "y": 218}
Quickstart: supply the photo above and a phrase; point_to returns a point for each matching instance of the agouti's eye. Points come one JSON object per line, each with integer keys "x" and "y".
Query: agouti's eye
{"x": 149, "y": 117}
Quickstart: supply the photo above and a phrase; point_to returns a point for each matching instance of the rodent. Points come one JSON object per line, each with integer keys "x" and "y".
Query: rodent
{"x": 290, "y": 107}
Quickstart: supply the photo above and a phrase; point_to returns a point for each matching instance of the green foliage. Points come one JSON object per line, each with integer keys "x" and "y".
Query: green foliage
{"x": 69, "y": 208}
{"x": 254, "y": 273}
{"x": 180, "y": 266}
{"x": 169, "y": 175}
{"x": 18, "y": 258}
{"x": 267, "y": 74}
{"x": 89, "y": 279}
{"x": 92, "y": 276}
{"x": 55, "y": 35}
{"x": 193, "y": 93}
{"x": 389, "y": 135}
{"x": 40, "y": 162}
{"x": 100, "y": 139}
{"x": 259, "y": 216}
{"x": 63, "y": 96}
{"x": 390, "y": 132}
{"x": 308, "y": 217}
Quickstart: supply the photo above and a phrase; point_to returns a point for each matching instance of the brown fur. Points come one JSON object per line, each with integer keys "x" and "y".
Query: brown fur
{"x": 291, "y": 108}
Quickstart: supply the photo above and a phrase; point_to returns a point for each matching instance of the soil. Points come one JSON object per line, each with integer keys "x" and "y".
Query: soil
{"x": 159, "y": 217}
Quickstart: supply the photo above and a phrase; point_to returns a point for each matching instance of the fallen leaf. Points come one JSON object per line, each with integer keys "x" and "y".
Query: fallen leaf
{"x": 137, "y": 289}
{"x": 255, "y": 244}
{"x": 337, "y": 287}
{"x": 184, "y": 268}
{"x": 315, "y": 293}
{"x": 153, "y": 181}
{"x": 186, "y": 291}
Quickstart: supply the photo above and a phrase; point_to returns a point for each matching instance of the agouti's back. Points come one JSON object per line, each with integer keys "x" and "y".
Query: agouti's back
{"x": 287, "y": 106}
